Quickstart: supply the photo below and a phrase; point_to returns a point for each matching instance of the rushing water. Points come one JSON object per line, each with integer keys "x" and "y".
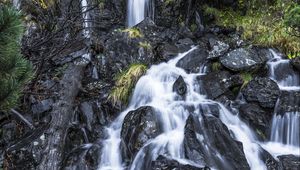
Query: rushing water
{"x": 285, "y": 126}
{"x": 137, "y": 10}
{"x": 86, "y": 25}
{"x": 173, "y": 114}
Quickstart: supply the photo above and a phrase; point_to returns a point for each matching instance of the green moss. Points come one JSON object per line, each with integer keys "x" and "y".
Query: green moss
{"x": 125, "y": 83}
{"x": 262, "y": 25}
{"x": 246, "y": 76}
{"x": 133, "y": 32}
{"x": 216, "y": 66}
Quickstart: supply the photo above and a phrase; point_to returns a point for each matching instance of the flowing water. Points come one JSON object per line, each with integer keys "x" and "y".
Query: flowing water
{"x": 137, "y": 10}
{"x": 173, "y": 114}
{"x": 285, "y": 126}
{"x": 86, "y": 25}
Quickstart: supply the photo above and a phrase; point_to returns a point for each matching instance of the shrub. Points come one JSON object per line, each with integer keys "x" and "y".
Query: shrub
{"x": 14, "y": 70}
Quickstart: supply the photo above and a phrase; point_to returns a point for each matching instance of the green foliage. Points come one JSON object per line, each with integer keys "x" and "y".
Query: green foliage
{"x": 263, "y": 25}
{"x": 216, "y": 66}
{"x": 293, "y": 55}
{"x": 14, "y": 70}
{"x": 125, "y": 83}
{"x": 133, "y": 32}
{"x": 246, "y": 76}
{"x": 292, "y": 19}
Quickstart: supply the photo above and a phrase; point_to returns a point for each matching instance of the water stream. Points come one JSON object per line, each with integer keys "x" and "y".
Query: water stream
{"x": 137, "y": 10}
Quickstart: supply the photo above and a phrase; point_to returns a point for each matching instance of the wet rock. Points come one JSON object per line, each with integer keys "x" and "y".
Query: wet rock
{"x": 262, "y": 90}
{"x": 215, "y": 84}
{"x": 164, "y": 163}
{"x": 167, "y": 51}
{"x": 84, "y": 158}
{"x": 184, "y": 44}
{"x": 192, "y": 62}
{"x": 256, "y": 118}
{"x": 296, "y": 63}
{"x": 289, "y": 101}
{"x": 75, "y": 137}
{"x": 290, "y": 162}
{"x": 208, "y": 141}
{"x": 242, "y": 59}
{"x": 138, "y": 127}
{"x": 218, "y": 48}
{"x": 180, "y": 87}
{"x": 270, "y": 162}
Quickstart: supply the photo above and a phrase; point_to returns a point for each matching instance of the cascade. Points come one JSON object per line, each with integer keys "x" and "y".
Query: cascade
{"x": 285, "y": 127}
{"x": 138, "y": 10}
{"x": 172, "y": 114}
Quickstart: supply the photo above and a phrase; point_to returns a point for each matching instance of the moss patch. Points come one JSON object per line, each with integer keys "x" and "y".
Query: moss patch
{"x": 262, "y": 25}
{"x": 133, "y": 32}
{"x": 125, "y": 83}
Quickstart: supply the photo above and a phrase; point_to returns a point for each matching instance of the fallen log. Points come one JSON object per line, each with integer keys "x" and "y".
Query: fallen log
{"x": 61, "y": 114}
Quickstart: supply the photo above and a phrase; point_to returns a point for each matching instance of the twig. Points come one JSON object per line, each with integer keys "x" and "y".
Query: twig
{"x": 22, "y": 118}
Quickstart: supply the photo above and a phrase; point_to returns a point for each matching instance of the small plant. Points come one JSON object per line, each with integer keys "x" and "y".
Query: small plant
{"x": 216, "y": 66}
{"x": 125, "y": 83}
{"x": 145, "y": 45}
{"x": 247, "y": 77}
{"x": 293, "y": 55}
{"x": 133, "y": 32}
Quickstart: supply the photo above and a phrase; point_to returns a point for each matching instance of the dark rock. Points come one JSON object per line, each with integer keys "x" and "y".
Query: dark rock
{"x": 270, "y": 162}
{"x": 84, "y": 157}
{"x": 192, "y": 62}
{"x": 75, "y": 137}
{"x": 218, "y": 48}
{"x": 184, "y": 44}
{"x": 208, "y": 141}
{"x": 256, "y": 118}
{"x": 289, "y": 162}
{"x": 262, "y": 90}
{"x": 138, "y": 127}
{"x": 242, "y": 60}
{"x": 42, "y": 106}
{"x": 167, "y": 51}
{"x": 289, "y": 101}
{"x": 180, "y": 86}
{"x": 296, "y": 63}
{"x": 164, "y": 163}
{"x": 88, "y": 114}
{"x": 215, "y": 84}
{"x": 20, "y": 159}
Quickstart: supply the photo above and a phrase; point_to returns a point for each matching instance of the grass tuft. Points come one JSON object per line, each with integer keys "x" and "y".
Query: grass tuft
{"x": 133, "y": 32}
{"x": 125, "y": 83}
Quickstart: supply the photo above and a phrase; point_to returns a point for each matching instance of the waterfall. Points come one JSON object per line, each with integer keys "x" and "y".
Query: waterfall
{"x": 17, "y": 4}
{"x": 138, "y": 10}
{"x": 86, "y": 25}
{"x": 173, "y": 114}
{"x": 285, "y": 127}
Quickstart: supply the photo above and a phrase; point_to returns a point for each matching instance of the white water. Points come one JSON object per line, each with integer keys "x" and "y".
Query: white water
{"x": 285, "y": 129}
{"x": 17, "y": 4}
{"x": 137, "y": 10}
{"x": 86, "y": 25}
{"x": 155, "y": 89}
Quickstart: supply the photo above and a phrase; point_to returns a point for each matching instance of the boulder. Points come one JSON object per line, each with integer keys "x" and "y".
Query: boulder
{"x": 289, "y": 162}
{"x": 164, "y": 163}
{"x": 167, "y": 51}
{"x": 296, "y": 63}
{"x": 257, "y": 118}
{"x": 242, "y": 59}
{"x": 289, "y": 101}
{"x": 207, "y": 141}
{"x": 263, "y": 91}
{"x": 218, "y": 48}
{"x": 180, "y": 86}
{"x": 138, "y": 127}
{"x": 192, "y": 62}
{"x": 215, "y": 84}
{"x": 84, "y": 157}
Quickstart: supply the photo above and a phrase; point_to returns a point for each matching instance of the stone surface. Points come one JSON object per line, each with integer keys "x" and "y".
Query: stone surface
{"x": 263, "y": 91}
{"x": 192, "y": 62}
